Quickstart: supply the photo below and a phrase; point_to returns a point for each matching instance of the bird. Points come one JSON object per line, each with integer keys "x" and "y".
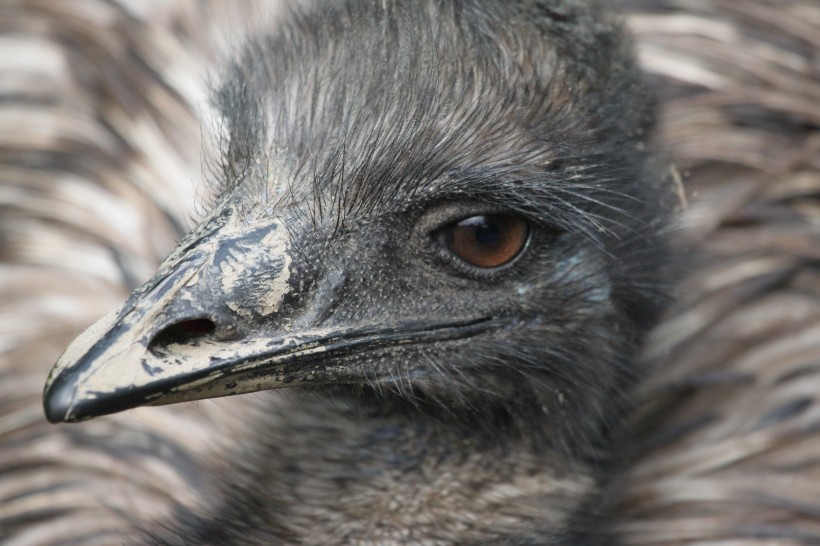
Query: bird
{"x": 244, "y": 512}
{"x": 439, "y": 221}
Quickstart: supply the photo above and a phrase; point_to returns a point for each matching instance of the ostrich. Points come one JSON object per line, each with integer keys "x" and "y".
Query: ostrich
{"x": 439, "y": 229}
{"x": 690, "y": 482}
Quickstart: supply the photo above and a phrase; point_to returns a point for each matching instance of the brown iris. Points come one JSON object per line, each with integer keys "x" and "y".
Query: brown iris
{"x": 485, "y": 241}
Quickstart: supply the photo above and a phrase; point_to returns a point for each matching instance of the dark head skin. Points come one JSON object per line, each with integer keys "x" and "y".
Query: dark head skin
{"x": 429, "y": 399}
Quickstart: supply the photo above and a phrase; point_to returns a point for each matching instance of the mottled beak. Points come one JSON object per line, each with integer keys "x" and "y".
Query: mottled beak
{"x": 184, "y": 335}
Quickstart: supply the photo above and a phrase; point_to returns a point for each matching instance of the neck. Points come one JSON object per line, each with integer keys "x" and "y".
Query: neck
{"x": 341, "y": 470}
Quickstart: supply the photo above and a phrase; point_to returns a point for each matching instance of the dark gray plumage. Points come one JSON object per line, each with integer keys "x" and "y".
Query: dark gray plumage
{"x": 98, "y": 148}
{"x": 440, "y": 402}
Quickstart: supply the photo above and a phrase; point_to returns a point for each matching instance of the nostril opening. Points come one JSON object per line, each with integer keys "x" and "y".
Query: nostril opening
{"x": 184, "y": 331}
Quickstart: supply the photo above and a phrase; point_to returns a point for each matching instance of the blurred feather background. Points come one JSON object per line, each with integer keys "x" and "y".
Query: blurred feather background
{"x": 101, "y": 139}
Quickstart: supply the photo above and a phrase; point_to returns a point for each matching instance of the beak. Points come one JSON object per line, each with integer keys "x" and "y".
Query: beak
{"x": 185, "y": 335}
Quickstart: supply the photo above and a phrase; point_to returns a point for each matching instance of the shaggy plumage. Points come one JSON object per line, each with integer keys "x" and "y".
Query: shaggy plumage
{"x": 727, "y": 411}
{"x": 356, "y": 135}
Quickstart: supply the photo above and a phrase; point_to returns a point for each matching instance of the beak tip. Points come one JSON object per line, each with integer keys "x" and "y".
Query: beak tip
{"x": 58, "y": 399}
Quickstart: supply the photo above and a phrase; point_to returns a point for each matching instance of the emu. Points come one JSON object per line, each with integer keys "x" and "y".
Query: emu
{"x": 438, "y": 228}
{"x": 722, "y": 442}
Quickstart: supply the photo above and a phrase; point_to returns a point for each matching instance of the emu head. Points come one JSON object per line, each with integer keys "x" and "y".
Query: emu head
{"x": 446, "y": 209}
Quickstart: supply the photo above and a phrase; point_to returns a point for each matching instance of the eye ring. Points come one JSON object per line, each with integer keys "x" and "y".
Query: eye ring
{"x": 485, "y": 241}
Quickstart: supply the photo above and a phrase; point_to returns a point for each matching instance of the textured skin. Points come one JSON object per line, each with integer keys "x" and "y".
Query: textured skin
{"x": 727, "y": 447}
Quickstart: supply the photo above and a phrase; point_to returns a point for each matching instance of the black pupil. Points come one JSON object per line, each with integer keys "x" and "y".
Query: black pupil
{"x": 486, "y": 233}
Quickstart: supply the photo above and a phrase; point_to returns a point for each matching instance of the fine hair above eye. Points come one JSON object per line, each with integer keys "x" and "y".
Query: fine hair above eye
{"x": 341, "y": 114}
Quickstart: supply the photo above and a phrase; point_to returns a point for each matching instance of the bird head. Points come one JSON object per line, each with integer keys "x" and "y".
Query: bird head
{"x": 446, "y": 209}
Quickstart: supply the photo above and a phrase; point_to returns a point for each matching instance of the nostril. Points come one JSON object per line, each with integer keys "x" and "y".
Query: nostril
{"x": 184, "y": 331}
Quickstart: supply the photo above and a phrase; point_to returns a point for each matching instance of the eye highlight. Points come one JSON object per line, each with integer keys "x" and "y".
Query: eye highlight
{"x": 485, "y": 241}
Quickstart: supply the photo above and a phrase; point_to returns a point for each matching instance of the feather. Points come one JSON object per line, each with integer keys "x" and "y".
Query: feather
{"x": 101, "y": 139}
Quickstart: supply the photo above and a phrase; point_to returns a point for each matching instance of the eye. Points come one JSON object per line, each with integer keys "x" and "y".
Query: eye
{"x": 485, "y": 241}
